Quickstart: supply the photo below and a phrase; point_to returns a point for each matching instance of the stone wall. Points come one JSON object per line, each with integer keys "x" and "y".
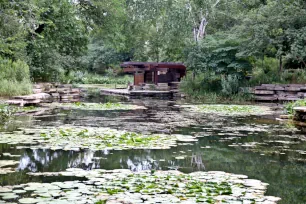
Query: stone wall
{"x": 279, "y": 92}
{"x": 48, "y": 92}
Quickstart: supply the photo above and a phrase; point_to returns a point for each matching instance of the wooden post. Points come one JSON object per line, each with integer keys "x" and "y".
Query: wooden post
{"x": 134, "y": 78}
{"x": 156, "y": 77}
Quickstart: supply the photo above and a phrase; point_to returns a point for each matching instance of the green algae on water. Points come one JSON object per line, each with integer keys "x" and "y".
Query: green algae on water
{"x": 229, "y": 110}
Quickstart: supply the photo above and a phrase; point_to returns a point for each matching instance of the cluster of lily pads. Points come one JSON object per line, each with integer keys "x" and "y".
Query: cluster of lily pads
{"x": 100, "y": 106}
{"x": 5, "y": 166}
{"x": 232, "y": 110}
{"x": 124, "y": 186}
{"x": 76, "y": 138}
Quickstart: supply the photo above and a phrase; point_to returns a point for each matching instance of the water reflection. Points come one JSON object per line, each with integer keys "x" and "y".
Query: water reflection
{"x": 286, "y": 177}
{"x": 251, "y": 146}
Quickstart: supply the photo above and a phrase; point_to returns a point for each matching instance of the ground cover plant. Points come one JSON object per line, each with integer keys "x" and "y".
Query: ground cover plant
{"x": 229, "y": 110}
{"x": 76, "y": 138}
{"x": 100, "y": 106}
{"x": 145, "y": 187}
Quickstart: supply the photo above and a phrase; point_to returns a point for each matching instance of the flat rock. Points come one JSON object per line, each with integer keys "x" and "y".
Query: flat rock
{"x": 264, "y": 92}
{"x": 300, "y": 109}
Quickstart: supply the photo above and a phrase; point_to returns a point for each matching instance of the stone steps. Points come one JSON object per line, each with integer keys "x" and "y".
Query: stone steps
{"x": 278, "y": 92}
{"x": 48, "y": 92}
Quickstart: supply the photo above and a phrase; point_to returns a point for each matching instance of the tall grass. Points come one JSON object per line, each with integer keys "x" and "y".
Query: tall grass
{"x": 96, "y": 79}
{"x": 90, "y": 78}
{"x": 14, "y": 78}
{"x": 266, "y": 71}
{"x": 14, "y": 88}
{"x": 210, "y": 88}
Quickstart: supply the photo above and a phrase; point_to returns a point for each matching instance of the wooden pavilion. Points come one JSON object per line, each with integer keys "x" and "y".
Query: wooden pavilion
{"x": 155, "y": 73}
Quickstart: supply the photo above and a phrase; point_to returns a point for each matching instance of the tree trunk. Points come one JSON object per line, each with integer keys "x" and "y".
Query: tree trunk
{"x": 280, "y": 64}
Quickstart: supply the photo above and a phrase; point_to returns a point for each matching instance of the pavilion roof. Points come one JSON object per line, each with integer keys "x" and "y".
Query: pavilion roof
{"x": 171, "y": 65}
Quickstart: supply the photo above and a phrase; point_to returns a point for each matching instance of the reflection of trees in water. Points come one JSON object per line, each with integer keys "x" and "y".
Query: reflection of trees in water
{"x": 136, "y": 160}
{"x": 47, "y": 160}
{"x": 197, "y": 162}
{"x": 15, "y": 123}
{"x": 287, "y": 179}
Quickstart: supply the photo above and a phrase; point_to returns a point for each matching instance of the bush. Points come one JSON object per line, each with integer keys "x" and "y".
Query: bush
{"x": 203, "y": 82}
{"x": 212, "y": 88}
{"x": 266, "y": 71}
{"x": 97, "y": 79}
{"x": 14, "y": 88}
{"x": 291, "y": 105}
{"x": 17, "y": 71}
{"x": 230, "y": 85}
{"x": 15, "y": 78}
{"x": 6, "y": 112}
{"x": 297, "y": 76}
{"x": 90, "y": 78}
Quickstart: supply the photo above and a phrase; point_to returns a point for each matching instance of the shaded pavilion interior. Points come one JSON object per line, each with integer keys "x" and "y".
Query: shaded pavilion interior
{"x": 155, "y": 73}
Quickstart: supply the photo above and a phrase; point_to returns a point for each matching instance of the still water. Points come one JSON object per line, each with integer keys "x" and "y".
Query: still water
{"x": 259, "y": 148}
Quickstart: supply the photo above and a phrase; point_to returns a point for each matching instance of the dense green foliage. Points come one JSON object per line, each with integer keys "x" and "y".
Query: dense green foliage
{"x": 291, "y": 105}
{"x": 6, "y": 112}
{"x": 222, "y": 42}
{"x": 15, "y": 78}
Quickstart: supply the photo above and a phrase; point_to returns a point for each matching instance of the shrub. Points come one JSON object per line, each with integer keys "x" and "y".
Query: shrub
{"x": 266, "y": 71}
{"x": 203, "y": 82}
{"x": 297, "y": 76}
{"x": 11, "y": 70}
{"x": 15, "y": 78}
{"x": 211, "y": 88}
{"x": 6, "y": 112}
{"x": 14, "y": 88}
{"x": 230, "y": 85}
{"x": 291, "y": 105}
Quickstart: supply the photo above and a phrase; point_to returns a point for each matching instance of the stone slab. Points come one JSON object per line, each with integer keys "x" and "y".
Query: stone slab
{"x": 300, "y": 109}
{"x": 292, "y": 88}
{"x": 266, "y": 98}
{"x": 288, "y": 98}
{"x": 279, "y": 88}
{"x": 285, "y": 117}
{"x": 303, "y": 88}
{"x": 264, "y": 92}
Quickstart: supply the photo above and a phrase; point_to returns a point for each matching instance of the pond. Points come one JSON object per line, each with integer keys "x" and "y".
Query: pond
{"x": 256, "y": 146}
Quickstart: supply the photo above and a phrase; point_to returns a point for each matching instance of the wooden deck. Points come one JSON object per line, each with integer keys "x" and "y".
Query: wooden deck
{"x": 123, "y": 92}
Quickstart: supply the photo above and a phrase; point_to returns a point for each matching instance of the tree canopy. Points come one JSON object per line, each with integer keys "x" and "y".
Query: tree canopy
{"x": 225, "y": 36}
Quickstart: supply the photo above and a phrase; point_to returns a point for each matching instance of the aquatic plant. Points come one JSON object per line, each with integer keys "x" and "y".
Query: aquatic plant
{"x": 100, "y": 106}
{"x": 76, "y": 138}
{"x": 229, "y": 109}
{"x": 6, "y": 112}
{"x": 148, "y": 187}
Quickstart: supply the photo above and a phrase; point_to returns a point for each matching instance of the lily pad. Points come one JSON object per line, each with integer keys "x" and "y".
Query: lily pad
{"x": 28, "y": 200}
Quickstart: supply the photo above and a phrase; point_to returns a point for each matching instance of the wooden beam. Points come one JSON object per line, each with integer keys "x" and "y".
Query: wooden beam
{"x": 155, "y": 77}
{"x": 130, "y": 69}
